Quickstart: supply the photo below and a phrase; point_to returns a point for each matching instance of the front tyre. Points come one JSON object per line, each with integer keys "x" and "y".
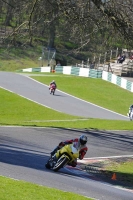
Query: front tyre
{"x": 60, "y": 163}
{"x": 47, "y": 166}
{"x": 131, "y": 116}
{"x": 49, "y": 163}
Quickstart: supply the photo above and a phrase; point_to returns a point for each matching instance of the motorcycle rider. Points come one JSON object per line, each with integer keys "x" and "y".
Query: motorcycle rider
{"x": 77, "y": 142}
{"x": 130, "y": 110}
{"x": 52, "y": 83}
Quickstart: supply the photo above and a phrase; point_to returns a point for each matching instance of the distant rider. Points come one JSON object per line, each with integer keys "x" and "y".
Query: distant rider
{"x": 130, "y": 110}
{"x": 77, "y": 142}
{"x": 53, "y": 83}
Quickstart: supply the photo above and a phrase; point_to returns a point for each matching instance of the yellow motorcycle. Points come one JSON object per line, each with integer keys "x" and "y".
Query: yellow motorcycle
{"x": 64, "y": 156}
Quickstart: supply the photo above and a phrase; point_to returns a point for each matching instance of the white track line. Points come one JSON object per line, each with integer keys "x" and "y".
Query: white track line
{"x": 30, "y": 99}
{"x": 102, "y": 158}
{"x": 122, "y": 156}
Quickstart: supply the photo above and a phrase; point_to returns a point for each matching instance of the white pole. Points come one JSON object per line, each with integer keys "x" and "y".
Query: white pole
{"x": 110, "y": 55}
{"x": 116, "y": 52}
{"x": 88, "y": 62}
{"x": 99, "y": 60}
{"x": 82, "y": 63}
{"x": 105, "y": 57}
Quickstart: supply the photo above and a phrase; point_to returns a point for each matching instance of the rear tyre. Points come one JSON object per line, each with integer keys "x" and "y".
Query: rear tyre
{"x": 60, "y": 163}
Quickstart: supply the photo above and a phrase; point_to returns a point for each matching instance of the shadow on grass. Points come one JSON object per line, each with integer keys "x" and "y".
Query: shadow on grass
{"x": 99, "y": 171}
{"x": 123, "y": 179}
{"x": 112, "y": 177}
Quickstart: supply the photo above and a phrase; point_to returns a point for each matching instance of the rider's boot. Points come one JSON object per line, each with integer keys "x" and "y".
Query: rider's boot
{"x": 54, "y": 151}
{"x": 54, "y": 158}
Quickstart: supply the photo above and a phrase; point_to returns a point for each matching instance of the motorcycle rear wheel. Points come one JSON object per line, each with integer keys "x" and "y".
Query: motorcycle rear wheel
{"x": 60, "y": 163}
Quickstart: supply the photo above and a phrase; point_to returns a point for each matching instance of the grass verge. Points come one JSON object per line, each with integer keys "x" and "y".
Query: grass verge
{"x": 120, "y": 170}
{"x": 113, "y": 170}
{"x": 20, "y": 190}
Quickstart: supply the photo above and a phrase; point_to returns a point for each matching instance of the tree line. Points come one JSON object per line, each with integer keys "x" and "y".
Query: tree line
{"x": 85, "y": 23}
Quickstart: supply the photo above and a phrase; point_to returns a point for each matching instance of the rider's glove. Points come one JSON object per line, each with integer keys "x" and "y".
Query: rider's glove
{"x": 80, "y": 157}
{"x": 62, "y": 144}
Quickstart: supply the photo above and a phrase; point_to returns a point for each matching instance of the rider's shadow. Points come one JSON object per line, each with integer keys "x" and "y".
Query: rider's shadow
{"x": 59, "y": 95}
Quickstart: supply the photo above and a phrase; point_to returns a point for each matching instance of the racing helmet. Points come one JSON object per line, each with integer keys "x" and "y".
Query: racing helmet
{"x": 83, "y": 139}
{"x": 53, "y": 81}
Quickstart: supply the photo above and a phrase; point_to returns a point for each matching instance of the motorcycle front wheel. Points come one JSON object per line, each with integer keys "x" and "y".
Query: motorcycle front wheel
{"x": 131, "y": 118}
{"x": 60, "y": 163}
{"x": 47, "y": 165}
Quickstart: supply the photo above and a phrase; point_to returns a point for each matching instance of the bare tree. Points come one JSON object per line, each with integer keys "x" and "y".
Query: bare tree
{"x": 79, "y": 20}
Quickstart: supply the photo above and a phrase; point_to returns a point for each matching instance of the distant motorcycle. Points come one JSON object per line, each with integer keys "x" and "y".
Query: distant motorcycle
{"x": 130, "y": 115}
{"x": 52, "y": 89}
{"x": 67, "y": 154}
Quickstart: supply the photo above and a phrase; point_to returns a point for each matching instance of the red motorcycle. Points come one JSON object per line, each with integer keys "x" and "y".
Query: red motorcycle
{"x": 52, "y": 89}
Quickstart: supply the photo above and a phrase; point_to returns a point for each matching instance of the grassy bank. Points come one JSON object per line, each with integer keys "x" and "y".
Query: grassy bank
{"x": 122, "y": 168}
{"x": 12, "y": 58}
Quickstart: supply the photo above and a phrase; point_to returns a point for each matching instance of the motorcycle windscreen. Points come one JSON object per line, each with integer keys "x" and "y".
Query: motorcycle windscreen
{"x": 74, "y": 150}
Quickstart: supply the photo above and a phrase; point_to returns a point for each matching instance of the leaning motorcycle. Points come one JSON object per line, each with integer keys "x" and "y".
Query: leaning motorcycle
{"x": 52, "y": 89}
{"x": 64, "y": 156}
{"x": 130, "y": 115}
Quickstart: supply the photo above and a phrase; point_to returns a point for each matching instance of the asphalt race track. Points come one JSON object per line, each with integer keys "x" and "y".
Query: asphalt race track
{"x": 24, "y": 151}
